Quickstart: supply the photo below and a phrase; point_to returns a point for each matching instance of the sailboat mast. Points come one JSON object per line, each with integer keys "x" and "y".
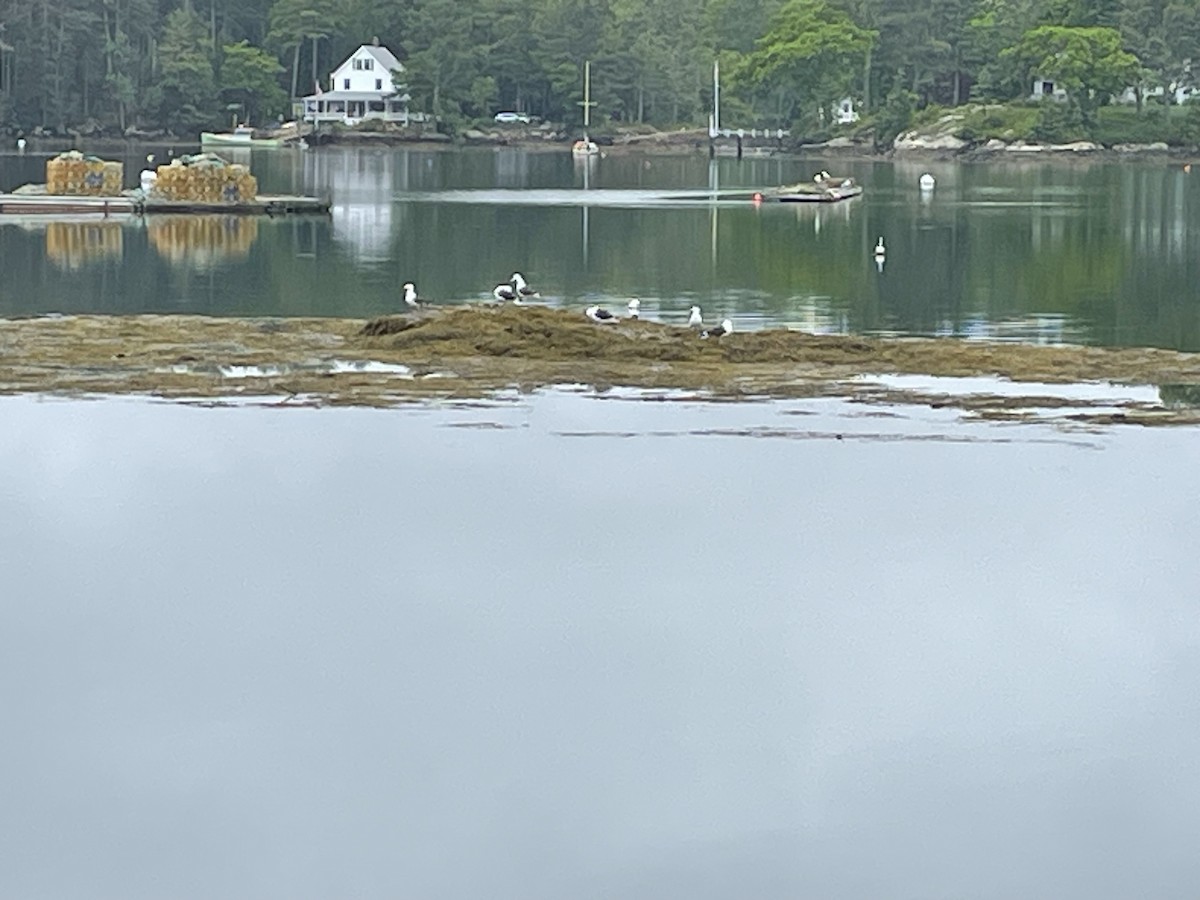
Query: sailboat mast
{"x": 587, "y": 96}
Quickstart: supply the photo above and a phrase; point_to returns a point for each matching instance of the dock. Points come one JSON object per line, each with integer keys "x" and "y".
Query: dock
{"x": 135, "y": 204}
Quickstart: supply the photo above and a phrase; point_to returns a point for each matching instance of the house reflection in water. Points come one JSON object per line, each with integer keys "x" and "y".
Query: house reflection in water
{"x": 202, "y": 242}
{"x": 360, "y": 186}
{"x": 71, "y": 245}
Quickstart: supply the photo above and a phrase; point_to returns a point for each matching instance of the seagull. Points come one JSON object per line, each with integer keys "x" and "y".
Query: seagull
{"x": 504, "y": 292}
{"x": 521, "y": 287}
{"x": 410, "y": 296}
{"x": 20, "y": 145}
{"x": 880, "y": 252}
{"x": 633, "y": 306}
{"x": 694, "y": 320}
{"x": 603, "y": 316}
{"x": 726, "y": 327}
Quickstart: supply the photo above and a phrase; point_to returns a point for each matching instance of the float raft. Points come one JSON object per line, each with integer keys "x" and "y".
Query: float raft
{"x": 134, "y": 203}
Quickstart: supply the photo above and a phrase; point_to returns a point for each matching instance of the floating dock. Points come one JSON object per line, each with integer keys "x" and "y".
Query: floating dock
{"x": 828, "y": 191}
{"x": 137, "y": 205}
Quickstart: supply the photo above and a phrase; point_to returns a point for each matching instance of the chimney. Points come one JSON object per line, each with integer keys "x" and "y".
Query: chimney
{"x": 375, "y": 42}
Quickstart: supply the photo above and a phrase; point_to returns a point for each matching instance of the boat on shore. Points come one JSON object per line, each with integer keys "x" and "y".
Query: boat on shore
{"x": 241, "y": 136}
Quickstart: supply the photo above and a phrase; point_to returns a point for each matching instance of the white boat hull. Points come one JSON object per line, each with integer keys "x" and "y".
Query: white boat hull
{"x": 225, "y": 139}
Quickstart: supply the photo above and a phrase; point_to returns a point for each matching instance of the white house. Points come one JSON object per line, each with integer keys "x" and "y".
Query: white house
{"x": 846, "y": 114}
{"x": 1045, "y": 87}
{"x": 362, "y": 87}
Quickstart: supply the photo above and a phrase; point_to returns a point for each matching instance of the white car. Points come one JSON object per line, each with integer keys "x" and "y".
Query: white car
{"x": 512, "y": 118}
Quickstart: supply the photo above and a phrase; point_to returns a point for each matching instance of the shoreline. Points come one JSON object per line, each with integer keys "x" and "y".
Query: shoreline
{"x": 473, "y": 351}
{"x": 684, "y": 142}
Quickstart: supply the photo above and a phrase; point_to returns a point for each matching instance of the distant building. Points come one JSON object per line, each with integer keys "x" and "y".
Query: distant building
{"x": 363, "y": 87}
{"x": 845, "y": 114}
{"x": 1180, "y": 93}
{"x": 1045, "y": 88}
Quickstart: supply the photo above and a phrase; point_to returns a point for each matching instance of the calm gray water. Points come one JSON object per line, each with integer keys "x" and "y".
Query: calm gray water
{"x": 565, "y": 646}
{"x": 1100, "y": 253}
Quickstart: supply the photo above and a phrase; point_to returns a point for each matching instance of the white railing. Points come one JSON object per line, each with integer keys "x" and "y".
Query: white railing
{"x": 777, "y": 133}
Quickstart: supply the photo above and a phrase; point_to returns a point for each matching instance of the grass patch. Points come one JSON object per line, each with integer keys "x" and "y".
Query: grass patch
{"x": 1006, "y": 122}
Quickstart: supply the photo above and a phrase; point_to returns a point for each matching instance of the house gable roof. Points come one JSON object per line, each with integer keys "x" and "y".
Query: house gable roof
{"x": 383, "y": 56}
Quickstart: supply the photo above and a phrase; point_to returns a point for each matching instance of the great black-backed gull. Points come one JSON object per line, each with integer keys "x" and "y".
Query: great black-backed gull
{"x": 694, "y": 318}
{"x": 603, "y": 316}
{"x": 410, "y": 296}
{"x": 522, "y": 287}
{"x": 726, "y": 327}
{"x": 504, "y": 292}
{"x": 634, "y": 307}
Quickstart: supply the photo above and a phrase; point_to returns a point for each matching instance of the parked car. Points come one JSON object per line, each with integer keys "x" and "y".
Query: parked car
{"x": 512, "y": 118}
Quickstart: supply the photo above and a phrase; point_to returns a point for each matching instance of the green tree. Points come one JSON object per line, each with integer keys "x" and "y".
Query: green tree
{"x": 250, "y": 76}
{"x": 996, "y": 26}
{"x": 186, "y": 74}
{"x": 811, "y": 55}
{"x": 1087, "y": 62}
{"x": 445, "y": 59}
{"x": 292, "y": 22}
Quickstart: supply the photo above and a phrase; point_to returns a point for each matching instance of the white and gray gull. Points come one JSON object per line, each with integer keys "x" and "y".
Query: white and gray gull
{"x": 726, "y": 327}
{"x": 603, "y": 316}
{"x": 410, "y": 296}
{"x": 634, "y": 307}
{"x": 694, "y": 318}
{"x": 504, "y": 292}
{"x": 522, "y": 287}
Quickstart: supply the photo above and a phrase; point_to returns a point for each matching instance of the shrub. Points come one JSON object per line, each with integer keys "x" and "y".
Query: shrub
{"x": 1058, "y": 123}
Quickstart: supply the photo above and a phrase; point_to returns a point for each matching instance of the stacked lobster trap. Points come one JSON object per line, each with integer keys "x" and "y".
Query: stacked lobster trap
{"x": 74, "y": 174}
{"x": 205, "y": 178}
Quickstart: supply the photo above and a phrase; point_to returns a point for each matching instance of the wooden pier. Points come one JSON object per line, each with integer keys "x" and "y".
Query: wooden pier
{"x": 136, "y": 205}
{"x": 747, "y": 141}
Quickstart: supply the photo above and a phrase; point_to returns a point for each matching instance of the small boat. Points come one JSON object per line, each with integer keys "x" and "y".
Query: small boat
{"x": 241, "y": 136}
{"x": 823, "y": 189}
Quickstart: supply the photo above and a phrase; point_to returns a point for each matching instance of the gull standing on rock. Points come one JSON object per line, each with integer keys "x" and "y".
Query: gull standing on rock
{"x": 522, "y": 287}
{"x": 504, "y": 292}
{"x": 603, "y": 316}
{"x": 634, "y": 307}
{"x": 726, "y": 327}
{"x": 410, "y": 296}
{"x": 694, "y": 318}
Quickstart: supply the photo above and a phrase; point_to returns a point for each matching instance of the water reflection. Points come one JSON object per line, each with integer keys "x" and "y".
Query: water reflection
{"x": 701, "y": 676}
{"x": 202, "y": 242}
{"x": 360, "y": 187}
{"x": 1104, "y": 249}
{"x": 72, "y": 245}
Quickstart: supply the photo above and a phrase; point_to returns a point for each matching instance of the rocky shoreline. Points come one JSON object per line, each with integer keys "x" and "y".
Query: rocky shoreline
{"x": 938, "y": 142}
{"x": 473, "y": 351}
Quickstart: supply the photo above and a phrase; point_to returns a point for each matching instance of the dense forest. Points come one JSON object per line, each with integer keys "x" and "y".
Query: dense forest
{"x": 124, "y": 66}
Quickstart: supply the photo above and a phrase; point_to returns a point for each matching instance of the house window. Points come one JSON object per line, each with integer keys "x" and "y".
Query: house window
{"x": 345, "y": 84}
{"x": 379, "y": 84}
